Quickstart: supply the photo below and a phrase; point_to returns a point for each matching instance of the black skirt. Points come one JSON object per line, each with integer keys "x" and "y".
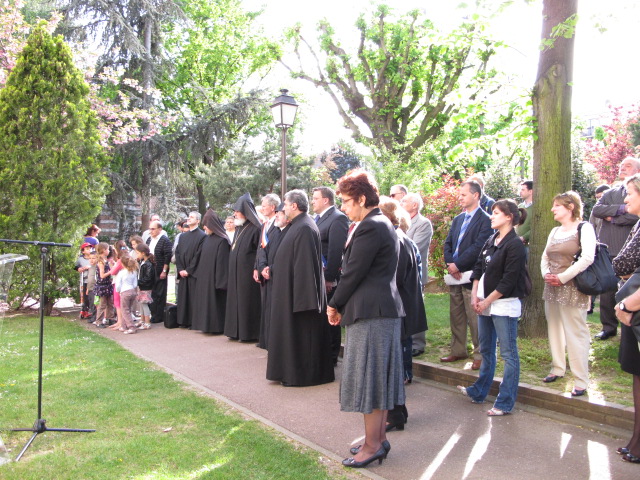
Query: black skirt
{"x": 629, "y": 354}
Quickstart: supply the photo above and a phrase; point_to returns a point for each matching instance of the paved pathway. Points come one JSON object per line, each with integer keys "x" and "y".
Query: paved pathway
{"x": 447, "y": 437}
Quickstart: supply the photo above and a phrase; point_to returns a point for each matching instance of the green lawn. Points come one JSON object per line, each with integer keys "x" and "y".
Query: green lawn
{"x": 608, "y": 382}
{"x": 149, "y": 426}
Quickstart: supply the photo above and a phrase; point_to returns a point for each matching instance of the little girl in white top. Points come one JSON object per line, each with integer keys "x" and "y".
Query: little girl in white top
{"x": 127, "y": 287}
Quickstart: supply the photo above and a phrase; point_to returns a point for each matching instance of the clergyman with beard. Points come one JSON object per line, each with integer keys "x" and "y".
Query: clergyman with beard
{"x": 299, "y": 337}
{"x": 243, "y": 295}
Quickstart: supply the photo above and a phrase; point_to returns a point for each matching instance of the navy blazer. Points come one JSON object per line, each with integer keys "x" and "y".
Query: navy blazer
{"x": 367, "y": 287}
{"x": 478, "y": 231}
{"x": 333, "y": 227}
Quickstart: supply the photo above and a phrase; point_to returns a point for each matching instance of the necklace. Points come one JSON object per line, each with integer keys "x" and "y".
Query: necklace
{"x": 237, "y": 236}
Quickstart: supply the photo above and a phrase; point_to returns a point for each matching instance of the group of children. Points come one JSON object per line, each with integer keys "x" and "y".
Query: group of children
{"x": 121, "y": 279}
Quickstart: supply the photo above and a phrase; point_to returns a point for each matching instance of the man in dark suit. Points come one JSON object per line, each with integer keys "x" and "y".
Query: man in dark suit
{"x": 161, "y": 248}
{"x": 333, "y": 226}
{"x": 420, "y": 231}
{"x": 469, "y": 231}
{"x": 270, "y": 203}
{"x": 616, "y": 225}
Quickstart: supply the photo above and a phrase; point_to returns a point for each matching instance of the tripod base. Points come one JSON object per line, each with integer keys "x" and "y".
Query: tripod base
{"x": 40, "y": 426}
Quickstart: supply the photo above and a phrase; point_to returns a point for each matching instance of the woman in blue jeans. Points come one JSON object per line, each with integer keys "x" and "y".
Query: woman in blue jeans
{"x": 500, "y": 280}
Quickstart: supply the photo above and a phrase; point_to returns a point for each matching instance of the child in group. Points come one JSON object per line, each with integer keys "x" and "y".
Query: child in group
{"x": 127, "y": 288}
{"x": 103, "y": 287}
{"x": 119, "y": 250}
{"x": 82, "y": 267}
{"x": 91, "y": 282}
{"x": 146, "y": 279}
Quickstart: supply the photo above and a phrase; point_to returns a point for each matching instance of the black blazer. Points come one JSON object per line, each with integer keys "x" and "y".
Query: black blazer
{"x": 367, "y": 287}
{"x": 504, "y": 266}
{"x": 262, "y": 254}
{"x": 333, "y": 227}
{"x": 410, "y": 287}
{"x": 477, "y": 233}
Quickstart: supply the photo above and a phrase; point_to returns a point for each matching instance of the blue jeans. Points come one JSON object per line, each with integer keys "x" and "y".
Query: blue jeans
{"x": 504, "y": 329}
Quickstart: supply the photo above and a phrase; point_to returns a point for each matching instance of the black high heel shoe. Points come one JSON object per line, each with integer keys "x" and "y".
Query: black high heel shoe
{"x": 385, "y": 444}
{"x": 353, "y": 463}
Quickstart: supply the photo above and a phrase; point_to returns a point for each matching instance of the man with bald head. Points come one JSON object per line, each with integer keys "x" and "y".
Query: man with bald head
{"x": 616, "y": 225}
{"x": 162, "y": 249}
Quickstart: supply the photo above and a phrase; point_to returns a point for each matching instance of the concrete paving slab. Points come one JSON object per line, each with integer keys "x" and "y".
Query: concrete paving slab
{"x": 447, "y": 437}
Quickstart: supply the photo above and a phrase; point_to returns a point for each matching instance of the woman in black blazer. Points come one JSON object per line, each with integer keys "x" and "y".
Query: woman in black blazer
{"x": 367, "y": 303}
{"x": 499, "y": 282}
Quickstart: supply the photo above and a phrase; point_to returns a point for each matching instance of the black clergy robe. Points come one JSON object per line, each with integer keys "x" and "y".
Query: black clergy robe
{"x": 299, "y": 338}
{"x": 212, "y": 275}
{"x": 187, "y": 258}
{"x": 242, "y": 320}
{"x": 264, "y": 259}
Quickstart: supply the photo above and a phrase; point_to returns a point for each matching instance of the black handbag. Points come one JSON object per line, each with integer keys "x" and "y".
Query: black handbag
{"x": 599, "y": 277}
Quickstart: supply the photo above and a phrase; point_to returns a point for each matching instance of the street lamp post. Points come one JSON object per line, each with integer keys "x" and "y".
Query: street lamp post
{"x": 284, "y": 110}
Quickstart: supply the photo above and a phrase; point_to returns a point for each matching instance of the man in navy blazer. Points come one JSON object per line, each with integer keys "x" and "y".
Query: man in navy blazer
{"x": 469, "y": 231}
{"x": 333, "y": 226}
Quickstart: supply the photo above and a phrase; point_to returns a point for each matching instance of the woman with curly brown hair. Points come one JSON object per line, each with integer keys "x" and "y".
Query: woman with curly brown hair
{"x": 367, "y": 303}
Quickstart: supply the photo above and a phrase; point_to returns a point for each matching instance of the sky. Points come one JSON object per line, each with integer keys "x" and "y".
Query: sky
{"x": 605, "y": 69}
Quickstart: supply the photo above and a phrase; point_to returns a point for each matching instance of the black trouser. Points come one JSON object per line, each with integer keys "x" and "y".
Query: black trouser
{"x": 607, "y": 312}
{"x": 335, "y": 334}
{"x": 159, "y": 296}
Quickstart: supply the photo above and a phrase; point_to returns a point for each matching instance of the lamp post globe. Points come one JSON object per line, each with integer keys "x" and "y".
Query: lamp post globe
{"x": 284, "y": 110}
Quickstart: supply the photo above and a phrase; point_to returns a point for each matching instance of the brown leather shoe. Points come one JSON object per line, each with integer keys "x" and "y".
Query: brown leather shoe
{"x": 451, "y": 358}
{"x": 476, "y": 365}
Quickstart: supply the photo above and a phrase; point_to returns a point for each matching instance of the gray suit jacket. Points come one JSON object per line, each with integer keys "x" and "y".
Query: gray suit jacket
{"x": 615, "y": 232}
{"x": 421, "y": 232}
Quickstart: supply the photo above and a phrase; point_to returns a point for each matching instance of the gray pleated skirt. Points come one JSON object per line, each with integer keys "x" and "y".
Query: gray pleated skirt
{"x": 372, "y": 371}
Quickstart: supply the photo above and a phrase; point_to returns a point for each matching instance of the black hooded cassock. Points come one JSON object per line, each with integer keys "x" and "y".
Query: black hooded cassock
{"x": 212, "y": 274}
{"x": 299, "y": 337}
{"x": 242, "y": 320}
{"x": 187, "y": 258}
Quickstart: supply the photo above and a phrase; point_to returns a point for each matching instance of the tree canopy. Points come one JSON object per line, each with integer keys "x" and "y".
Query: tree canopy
{"x": 395, "y": 90}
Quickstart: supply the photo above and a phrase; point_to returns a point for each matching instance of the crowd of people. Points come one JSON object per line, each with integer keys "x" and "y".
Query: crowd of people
{"x": 289, "y": 275}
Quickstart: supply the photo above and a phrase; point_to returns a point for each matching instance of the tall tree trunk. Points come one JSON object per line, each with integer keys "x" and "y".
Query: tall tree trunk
{"x": 551, "y": 149}
{"x": 147, "y": 168}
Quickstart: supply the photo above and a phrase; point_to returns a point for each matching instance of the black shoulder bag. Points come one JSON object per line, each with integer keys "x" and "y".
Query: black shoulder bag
{"x": 599, "y": 277}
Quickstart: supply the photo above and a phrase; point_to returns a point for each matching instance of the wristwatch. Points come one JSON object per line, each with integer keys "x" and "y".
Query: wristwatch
{"x": 623, "y": 308}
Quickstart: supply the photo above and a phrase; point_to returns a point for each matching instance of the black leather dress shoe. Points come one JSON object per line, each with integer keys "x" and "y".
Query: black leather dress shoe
{"x": 604, "y": 335}
{"x": 415, "y": 353}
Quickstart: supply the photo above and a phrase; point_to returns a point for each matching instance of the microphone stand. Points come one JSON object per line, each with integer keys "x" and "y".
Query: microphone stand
{"x": 40, "y": 425}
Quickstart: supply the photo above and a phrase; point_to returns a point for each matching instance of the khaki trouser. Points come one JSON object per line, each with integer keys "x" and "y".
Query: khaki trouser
{"x": 460, "y": 315}
{"x": 567, "y": 327}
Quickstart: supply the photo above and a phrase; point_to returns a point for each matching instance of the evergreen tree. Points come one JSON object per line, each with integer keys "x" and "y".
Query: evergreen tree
{"x": 51, "y": 162}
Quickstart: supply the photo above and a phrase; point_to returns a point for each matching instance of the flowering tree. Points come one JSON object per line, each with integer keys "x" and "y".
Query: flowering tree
{"x": 441, "y": 207}
{"x": 110, "y": 94}
{"x": 606, "y": 154}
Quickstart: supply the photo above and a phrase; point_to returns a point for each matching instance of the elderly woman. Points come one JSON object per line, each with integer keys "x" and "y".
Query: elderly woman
{"x": 367, "y": 303}
{"x": 625, "y": 263}
{"x": 565, "y": 307}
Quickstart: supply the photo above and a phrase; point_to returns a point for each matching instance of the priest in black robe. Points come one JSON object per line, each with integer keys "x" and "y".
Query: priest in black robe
{"x": 187, "y": 258}
{"x": 299, "y": 337}
{"x": 264, "y": 261}
{"x": 242, "y": 320}
{"x": 212, "y": 274}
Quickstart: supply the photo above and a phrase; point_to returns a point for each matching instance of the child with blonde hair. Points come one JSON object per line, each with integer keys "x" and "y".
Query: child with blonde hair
{"x": 127, "y": 287}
